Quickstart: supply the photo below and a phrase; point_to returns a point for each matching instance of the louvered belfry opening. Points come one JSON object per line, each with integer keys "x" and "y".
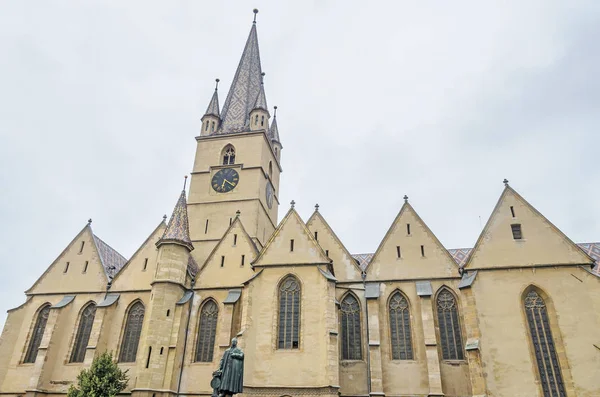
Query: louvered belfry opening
{"x": 351, "y": 331}
{"x": 36, "y": 334}
{"x": 86, "y": 321}
{"x": 449, "y": 325}
{"x": 400, "y": 328}
{"x": 131, "y": 336}
{"x": 543, "y": 346}
{"x": 207, "y": 330}
{"x": 289, "y": 314}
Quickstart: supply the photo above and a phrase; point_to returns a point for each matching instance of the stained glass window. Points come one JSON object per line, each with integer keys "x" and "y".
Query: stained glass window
{"x": 350, "y": 313}
{"x": 131, "y": 336}
{"x": 543, "y": 346}
{"x": 400, "y": 328}
{"x": 83, "y": 333}
{"x": 228, "y": 155}
{"x": 449, "y": 324}
{"x": 36, "y": 334}
{"x": 207, "y": 330}
{"x": 289, "y": 314}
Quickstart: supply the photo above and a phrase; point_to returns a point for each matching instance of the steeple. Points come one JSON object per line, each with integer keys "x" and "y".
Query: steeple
{"x": 274, "y": 131}
{"x": 259, "y": 116}
{"x": 245, "y": 88}
{"x": 211, "y": 119}
{"x": 178, "y": 230}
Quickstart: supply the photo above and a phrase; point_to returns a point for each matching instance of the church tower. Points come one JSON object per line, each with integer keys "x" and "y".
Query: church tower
{"x": 237, "y": 163}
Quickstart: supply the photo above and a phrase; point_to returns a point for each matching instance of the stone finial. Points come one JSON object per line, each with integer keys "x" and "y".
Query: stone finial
{"x": 255, "y": 11}
{"x": 238, "y": 213}
{"x": 165, "y": 218}
{"x": 275, "y": 111}
{"x": 405, "y": 198}
{"x": 293, "y": 204}
{"x": 184, "y": 181}
{"x": 217, "y": 84}
{"x": 90, "y": 221}
{"x": 505, "y": 181}
{"x": 316, "y": 207}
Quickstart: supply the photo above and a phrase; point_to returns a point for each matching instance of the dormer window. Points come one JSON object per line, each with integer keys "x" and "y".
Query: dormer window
{"x": 229, "y": 155}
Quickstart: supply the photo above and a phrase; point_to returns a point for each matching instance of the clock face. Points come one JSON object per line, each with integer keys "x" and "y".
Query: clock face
{"x": 269, "y": 195}
{"x": 225, "y": 180}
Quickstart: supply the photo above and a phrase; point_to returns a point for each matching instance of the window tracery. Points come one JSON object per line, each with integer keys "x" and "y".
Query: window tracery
{"x": 84, "y": 330}
{"x": 449, "y": 325}
{"x": 228, "y": 155}
{"x": 37, "y": 334}
{"x": 131, "y": 335}
{"x": 351, "y": 331}
{"x": 289, "y": 314}
{"x": 207, "y": 330}
{"x": 400, "y": 331}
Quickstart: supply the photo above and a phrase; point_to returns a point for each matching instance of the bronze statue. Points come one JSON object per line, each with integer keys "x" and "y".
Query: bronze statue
{"x": 229, "y": 378}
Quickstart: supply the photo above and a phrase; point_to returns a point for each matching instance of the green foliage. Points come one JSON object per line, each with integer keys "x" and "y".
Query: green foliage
{"x": 103, "y": 379}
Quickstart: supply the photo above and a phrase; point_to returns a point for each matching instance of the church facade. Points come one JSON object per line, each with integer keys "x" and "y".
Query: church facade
{"x": 516, "y": 315}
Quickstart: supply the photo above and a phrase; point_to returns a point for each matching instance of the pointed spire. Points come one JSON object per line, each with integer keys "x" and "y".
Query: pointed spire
{"x": 261, "y": 99}
{"x": 213, "y": 105}
{"x": 274, "y": 131}
{"x": 178, "y": 230}
{"x": 245, "y": 87}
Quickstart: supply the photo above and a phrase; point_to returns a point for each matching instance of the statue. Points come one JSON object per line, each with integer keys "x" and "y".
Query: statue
{"x": 229, "y": 378}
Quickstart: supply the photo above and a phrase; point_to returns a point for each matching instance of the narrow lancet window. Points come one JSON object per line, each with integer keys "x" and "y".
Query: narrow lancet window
{"x": 449, "y": 324}
{"x": 400, "y": 328}
{"x": 351, "y": 337}
{"x": 288, "y": 336}
{"x": 228, "y": 155}
{"x": 207, "y": 330}
{"x": 543, "y": 346}
{"x": 84, "y": 330}
{"x": 36, "y": 334}
{"x": 131, "y": 335}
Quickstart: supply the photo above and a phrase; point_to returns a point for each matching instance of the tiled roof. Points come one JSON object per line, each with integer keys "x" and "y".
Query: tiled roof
{"x": 274, "y": 131}
{"x": 111, "y": 260}
{"x": 461, "y": 255}
{"x": 192, "y": 267}
{"x": 213, "y": 105}
{"x": 178, "y": 230}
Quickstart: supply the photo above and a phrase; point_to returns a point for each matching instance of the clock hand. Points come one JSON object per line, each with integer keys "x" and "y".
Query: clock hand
{"x": 223, "y": 184}
{"x": 228, "y": 182}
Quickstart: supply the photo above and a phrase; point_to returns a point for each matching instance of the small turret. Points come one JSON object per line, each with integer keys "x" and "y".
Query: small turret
{"x": 259, "y": 116}
{"x": 273, "y": 136}
{"x": 212, "y": 118}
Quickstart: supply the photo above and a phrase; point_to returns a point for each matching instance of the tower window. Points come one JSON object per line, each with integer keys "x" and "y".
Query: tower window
{"x": 149, "y": 355}
{"x": 243, "y": 260}
{"x": 206, "y": 126}
{"x": 262, "y": 121}
{"x": 222, "y": 260}
{"x": 145, "y": 264}
{"x": 292, "y": 245}
{"x": 408, "y": 228}
{"x": 85, "y": 266}
{"x": 398, "y": 251}
{"x": 82, "y": 245}
{"x": 168, "y": 312}
{"x": 161, "y": 350}
{"x": 270, "y": 169}
{"x": 212, "y": 126}
{"x": 229, "y": 155}
{"x": 234, "y": 239}
{"x": 422, "y": 250}
{"x": 66, "y": 267}
{"x": 516, "y": 231}
{"x": 512, "y": 211}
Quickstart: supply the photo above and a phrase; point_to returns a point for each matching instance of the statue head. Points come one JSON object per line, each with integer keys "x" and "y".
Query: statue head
{"x": 234, "y": 342}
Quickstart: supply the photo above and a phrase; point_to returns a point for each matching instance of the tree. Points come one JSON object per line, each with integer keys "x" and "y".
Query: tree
{"x": 103, "y": 379}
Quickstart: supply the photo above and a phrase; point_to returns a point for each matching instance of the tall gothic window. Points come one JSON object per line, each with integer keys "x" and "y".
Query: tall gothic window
{"x": 350, "y": 311}
{"x": 83, "y": 333}
{"x": 289, "y": 314}
{"x": 400, "y": 328}
{"x": 36, "y": 334}
{"x": 131, "y": 336}
{"x": 207, "y": 330}
{"x": 543, "y": 346}
{"x": 449, "y": 324}
{"x": 229, "y": 155}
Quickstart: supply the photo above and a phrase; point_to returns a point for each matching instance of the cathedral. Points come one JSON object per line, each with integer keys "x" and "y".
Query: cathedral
{"x": 517, "y": 315}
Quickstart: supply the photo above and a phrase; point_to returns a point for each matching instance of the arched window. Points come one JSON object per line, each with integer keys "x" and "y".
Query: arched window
{"x": 400, "y": 328}
{"x": 289, "y": 314}
{"x": 207, "y": 329}
{"x": 449, "y": 324}
{"x": 131, "y": 335}
{"x": 270, "y": 169}
{"x": 350, "y": 313}
{"x": 36, "y": 334}
{"x": 543, "y": 346}
{"x": 229, "y": 155}
{"x": 84, "y": 330}
{"x": 206, "y": 125}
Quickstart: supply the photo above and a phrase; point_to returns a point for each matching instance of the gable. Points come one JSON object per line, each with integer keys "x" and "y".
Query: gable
{"x": 76, "y": 276}
{"x": 138, "y": 272}
{"x": 224, "y": 266}
{"x": 344, "y": 265}
{"x": 542, "y": 243}
{"x": 278, "y": 250}
{"x": 418, "y": 254}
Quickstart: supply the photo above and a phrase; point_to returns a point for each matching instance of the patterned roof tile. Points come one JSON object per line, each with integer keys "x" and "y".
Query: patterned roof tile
{"x": 213, "y": 106}
{"x": 178, "y": 229}
{"x": 111, "y": 260}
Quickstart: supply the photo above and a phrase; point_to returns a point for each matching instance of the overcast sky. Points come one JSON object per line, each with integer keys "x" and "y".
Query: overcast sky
{"x": 100, "y": 103}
